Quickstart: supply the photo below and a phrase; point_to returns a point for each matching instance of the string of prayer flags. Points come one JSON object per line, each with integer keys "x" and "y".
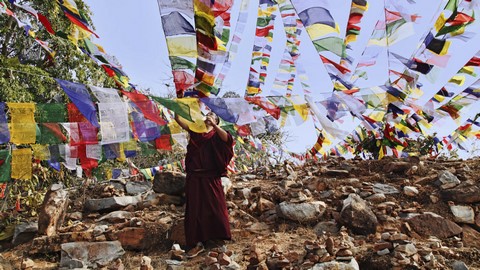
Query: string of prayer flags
{"x": 22, "y": 126}
{"x": 232, "y": 47}
{"x": 261, "y": 47}
{"x": 21, "y": 164}
{"x": 178, "y": 21}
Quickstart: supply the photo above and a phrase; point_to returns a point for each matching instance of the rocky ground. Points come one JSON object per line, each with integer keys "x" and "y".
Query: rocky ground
{"x": 334, "y": 214}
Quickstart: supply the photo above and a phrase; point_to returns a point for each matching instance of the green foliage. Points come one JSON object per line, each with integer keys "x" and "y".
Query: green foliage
{"x": 24, "y": 197}
{"x": 26, "y": 69}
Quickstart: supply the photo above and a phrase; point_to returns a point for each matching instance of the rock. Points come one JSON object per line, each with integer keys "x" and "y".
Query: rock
{"x": 430, "y": 224}
{"x": 75, "y": 215}
{"x": 408, "y": 249}
{"x": 146, "y": 263}
{"x": 177, "y": 233}
{"x": 384, "y": 189}
{"x": 137, "y": 187}
{"x": 410, "y": 191}
{"x": 171, "y": 183}
{"x": 376, "y": 198}
{"x": 301, "y": 212}
{"x": 163, "y": 199}
{"x": 326, "y": 227}
{"x": 337, "y": 173}
{"x": 144, "y": 237}
{"x": 264, "y": 205}
{"x": 223, "y": 259}
{"x": 111, "y": 204}
{"x": 477, "y": 220}
{"x": 91, "y": 255}
{"x": 463, "y": 214}
{"x": 52, "y": 211}
{"x": 470, "y": 237}
{"x": 447, "y": 180}
{"x": 357, "y": 216}
{"x": 352, "y": 265}
{"x": 463, "y": 193}
{"x": 226, "y": 184}
{"x": 116, "y": 217}
{"x": 397, "y": 167}
{"x": 24, "y": 232}
{"x": 28, "y": 263}
{"x": 459, "y": 265}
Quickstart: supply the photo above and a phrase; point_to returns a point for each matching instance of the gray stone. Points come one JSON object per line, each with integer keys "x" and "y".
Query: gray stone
{"x": 408, "y": 249}
{"x": 357, "y": 216}
{"x": 301, "y": 212}
{"x": 447, "y": 180}
{"x": 384, "y": 188}
{"x": 459, "y": 265}
{"x": 135, "y": 188}
{"x": 116, "y": 217}
{"x": 326, "y": 227}
{"x": 377, "y": 198}
{"x": 110, "y": 204}
{"x": 24, "y": 232}
{"x": 89, "y": 255}
{"x": 463, "y": 214}
{"x": 410, "y": 191}
{"x": 334, "y": 265}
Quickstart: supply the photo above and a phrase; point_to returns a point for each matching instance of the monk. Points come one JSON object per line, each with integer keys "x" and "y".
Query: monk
{"x": 208, "y": 154}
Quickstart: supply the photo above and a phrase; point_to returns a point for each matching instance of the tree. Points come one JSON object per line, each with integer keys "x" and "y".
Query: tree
{"x": 27, "y": 70}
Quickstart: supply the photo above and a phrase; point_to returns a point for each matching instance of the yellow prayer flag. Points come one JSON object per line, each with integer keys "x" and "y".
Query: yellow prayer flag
{"x": 198, "y": 124}
{"x": 22, "y": 163}
{"x": 468, "y": 70}
{"x": 185, "y": 46}
{"x": 41, "y": 152}
{"x": 22, "y": 127}
{"x": 318, "y": 31}
{"x": 440, "y": 22}
{"x": 458, "y": 80}
{"x": 122, "y": 157}
{"x": 174, "y": 127}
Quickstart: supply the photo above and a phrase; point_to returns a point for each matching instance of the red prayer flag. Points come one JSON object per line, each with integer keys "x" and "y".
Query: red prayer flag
{"x": 148, "y": 108}
{"x": 163, "y": 142}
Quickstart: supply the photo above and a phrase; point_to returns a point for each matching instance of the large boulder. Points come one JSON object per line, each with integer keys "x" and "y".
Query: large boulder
{"x": 52, "y": 211}
{"x": 301, "y": 212}
{"x": 430, "y": 224}
{"x": 466, "y": 192}
{"x": 171, "y": 183}
{"x": 357, "y": 216}
{"x": 86, "y": 255}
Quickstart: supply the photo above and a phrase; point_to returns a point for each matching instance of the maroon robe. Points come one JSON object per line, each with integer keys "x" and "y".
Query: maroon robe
{"x": 206, "y": 215}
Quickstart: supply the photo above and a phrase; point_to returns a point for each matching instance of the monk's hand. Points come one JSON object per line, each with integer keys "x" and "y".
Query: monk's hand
{"x": 210, "y": 120}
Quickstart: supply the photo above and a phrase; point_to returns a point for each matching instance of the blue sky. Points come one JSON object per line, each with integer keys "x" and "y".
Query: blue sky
{"x": 132, "y": 32}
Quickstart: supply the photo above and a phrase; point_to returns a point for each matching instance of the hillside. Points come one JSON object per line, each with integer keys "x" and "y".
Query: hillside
{"x": 335, "y": 214}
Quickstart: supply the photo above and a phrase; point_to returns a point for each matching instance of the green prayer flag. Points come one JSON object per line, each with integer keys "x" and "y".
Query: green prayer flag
{"x": 5, "y": 165}
{"x": 179, "y": 108}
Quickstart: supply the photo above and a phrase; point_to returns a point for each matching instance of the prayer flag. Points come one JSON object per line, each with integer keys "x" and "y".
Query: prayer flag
{"x": 22, "y": 163}
{"x": 4, "y": 132}
{"x": 22, "y": 123}
{"x": 79, "y": 95}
